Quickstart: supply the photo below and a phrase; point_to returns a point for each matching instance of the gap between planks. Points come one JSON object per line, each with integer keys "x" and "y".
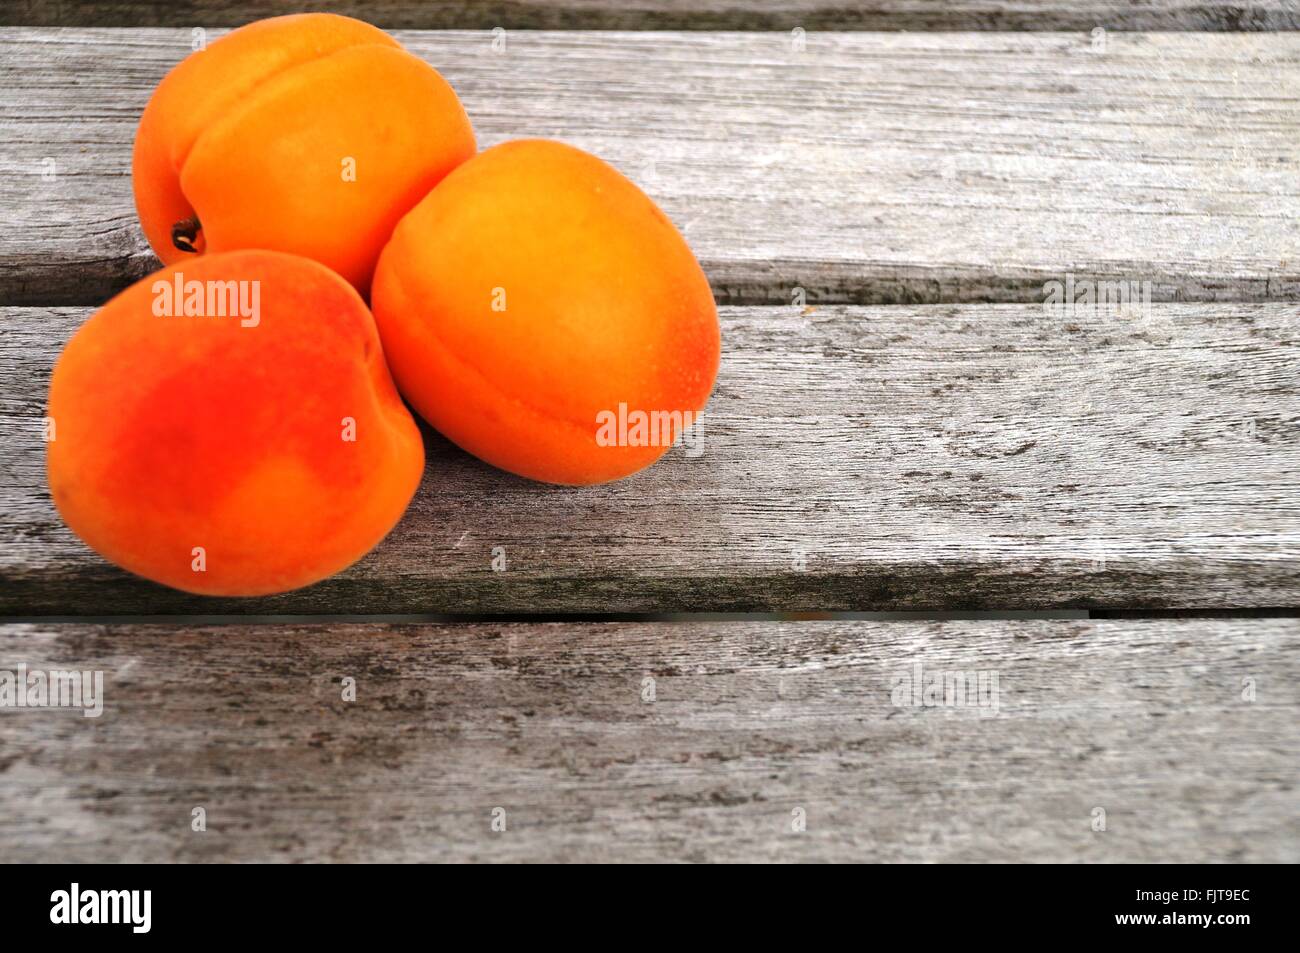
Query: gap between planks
{"x": 684, "y": 14}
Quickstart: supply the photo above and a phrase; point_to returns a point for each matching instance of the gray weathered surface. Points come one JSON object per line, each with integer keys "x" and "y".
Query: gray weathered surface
{"x": 927, "y": 457}
{"x": 867, "y": 168}
{"x": 1145, "y": 720}
{"x": 684, "y": 14}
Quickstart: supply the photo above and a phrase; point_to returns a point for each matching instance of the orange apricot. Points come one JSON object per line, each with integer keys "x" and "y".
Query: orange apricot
{"x": 311, "y": 133}
{"x": 228, "y": 426}
{"x": 540, "y": 311}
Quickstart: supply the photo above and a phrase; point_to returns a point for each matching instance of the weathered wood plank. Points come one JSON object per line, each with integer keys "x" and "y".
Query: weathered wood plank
{"x": 921, "y": 457}
{"x": 683, "y": 14}
{"x": 1152, "y": 722}
{"x": 869, "y": 168}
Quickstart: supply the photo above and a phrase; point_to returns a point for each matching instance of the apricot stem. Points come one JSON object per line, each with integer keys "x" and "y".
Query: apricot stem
{"x": 184, "y": 233}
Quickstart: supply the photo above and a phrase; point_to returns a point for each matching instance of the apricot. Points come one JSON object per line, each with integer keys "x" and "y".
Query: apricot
{"x": 228, "y": 426}
{"x": 310, "y": 134}
{"x": 540, "y": 311}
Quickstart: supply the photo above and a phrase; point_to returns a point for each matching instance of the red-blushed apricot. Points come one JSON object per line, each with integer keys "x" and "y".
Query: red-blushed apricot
{"x": 228, "y": 426}
{"x": 541, "y": 312}
{"x": 310, "y": 134}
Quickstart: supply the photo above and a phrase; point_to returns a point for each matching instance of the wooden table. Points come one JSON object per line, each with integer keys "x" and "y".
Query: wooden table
{"x": 908, "y": 460}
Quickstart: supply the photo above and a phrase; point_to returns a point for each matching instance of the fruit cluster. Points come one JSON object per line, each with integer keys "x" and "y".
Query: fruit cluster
{"x": 234, "y": 425}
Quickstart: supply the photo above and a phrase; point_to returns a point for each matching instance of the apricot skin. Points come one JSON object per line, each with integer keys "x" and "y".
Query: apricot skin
{"x": 311, "y": 134}
{"x": 604, "y": 304}
{"x": 177, "y": 432}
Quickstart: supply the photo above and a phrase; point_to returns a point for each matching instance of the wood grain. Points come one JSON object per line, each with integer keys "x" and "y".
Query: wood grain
{"x": 852, "y": 458}
{"x": 870, "y": 168}
{"x": 1148, "y": 721}
{"x": 683, "y": 14}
